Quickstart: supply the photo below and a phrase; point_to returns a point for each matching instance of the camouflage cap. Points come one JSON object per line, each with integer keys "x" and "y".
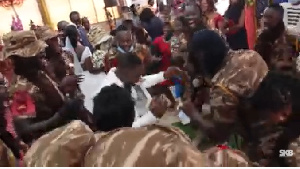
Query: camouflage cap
{"x": 97, "y": 35}
{"x": 45, "y": 33}
{"x": 22, "y": 43}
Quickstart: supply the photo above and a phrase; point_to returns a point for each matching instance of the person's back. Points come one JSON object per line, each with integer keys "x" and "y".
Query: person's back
{"x": 154, "y": 27}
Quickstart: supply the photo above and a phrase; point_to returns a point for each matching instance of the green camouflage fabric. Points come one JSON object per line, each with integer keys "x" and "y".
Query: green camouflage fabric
{"x": 240, "y": 76}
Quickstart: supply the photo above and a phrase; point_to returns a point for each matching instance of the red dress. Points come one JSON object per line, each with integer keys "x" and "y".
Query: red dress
{"x": 164, "y": 48}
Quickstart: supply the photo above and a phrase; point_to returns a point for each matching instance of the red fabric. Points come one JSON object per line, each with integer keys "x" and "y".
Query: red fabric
{"x": 164, "y": 48}
{"x": 110, "y": 63}
{"x": 230, "y": 23}
{"x": 22, "y": 104}
{"x": 250, "y": 25}
{"x": 166, "y": 83}
{"x": 222, "y": 147}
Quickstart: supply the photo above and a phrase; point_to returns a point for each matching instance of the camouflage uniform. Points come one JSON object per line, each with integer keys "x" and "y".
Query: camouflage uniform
{"x": 238, "y": 78}
{"x": 294, "y": 160}
{"x": 76, "y": 145}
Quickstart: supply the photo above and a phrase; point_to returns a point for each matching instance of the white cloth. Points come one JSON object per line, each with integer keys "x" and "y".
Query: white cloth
{"x": 142, "y": 118}
{"x": 291, "y": 18}
{"x": 90, "y": 81}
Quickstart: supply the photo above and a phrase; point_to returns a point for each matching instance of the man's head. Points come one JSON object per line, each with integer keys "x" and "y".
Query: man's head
{"x": 151, "y": 2}
{"x": 86, "y": 23}
{"x": 167, "y": 29}
{"x": 130, "y": 68}
{"x": 273, "y": 16}
{"x": 61, "y": 26}
{"x": 207, "y": 53}
{"x": 283, "y": 59}
{"x": 113, "y": 108}
{"x": 51, "y": 38}
{"x": 124, "y": 39}
{"x": 75, "y": 17}
{"x": 282, "y": 97}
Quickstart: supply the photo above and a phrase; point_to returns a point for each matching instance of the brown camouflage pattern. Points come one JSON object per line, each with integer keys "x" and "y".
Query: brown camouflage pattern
{"x": 7, "y": 159}
{"x": 240, "y": 76}
{"x": 294, "y": 161}
{"x": 62, "y": 147}
{"x": 155, "y": 146}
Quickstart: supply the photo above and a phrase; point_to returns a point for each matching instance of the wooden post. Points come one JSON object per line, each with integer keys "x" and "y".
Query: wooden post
{"x": 45, "y": 13}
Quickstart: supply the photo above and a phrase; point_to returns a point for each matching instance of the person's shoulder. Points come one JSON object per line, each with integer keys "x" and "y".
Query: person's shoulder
{"x": 242, "y": 73}
{"x": 247, "y": 58}
{"x": 143, "y": 141}
{"x": 66, "y": 142}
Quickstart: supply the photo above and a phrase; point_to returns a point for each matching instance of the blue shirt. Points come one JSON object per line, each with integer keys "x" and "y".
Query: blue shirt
{"x": 84, "y": 39}
{"x": 154, "y": 27}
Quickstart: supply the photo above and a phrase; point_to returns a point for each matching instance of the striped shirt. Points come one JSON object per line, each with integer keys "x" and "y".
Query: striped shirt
{"x": 291, "y": 16}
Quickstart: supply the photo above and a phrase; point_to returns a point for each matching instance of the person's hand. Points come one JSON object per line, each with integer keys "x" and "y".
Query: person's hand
{"x": 189, "y": 108}
{"x": 24, "y": 147}
{"x": 173, "y": 71}
{"x": 69, "y": 83}
{"x": 158, "y": 106}
{"x": 71, "y": 109}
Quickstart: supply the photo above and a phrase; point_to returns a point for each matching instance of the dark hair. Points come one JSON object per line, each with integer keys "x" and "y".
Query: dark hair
{"x": 128, "y": 60}
{"x": 265, "y": 41}
{"x": 150, "y": 1}
{"x": 72, "y": 32}
{"x": 23, "y": 65}
{"x": 133, "y": 10}
{"x": 60, "y": 24}
{"x": 122, "y": 28}
{"x": 113, "y": 108}
{"x": 73, "y": 13}
{"x": 234, "y": 11}
{"x": 211, "y": 4}
{"x": 146, "y": 15}
{"x": 278, "y": 8}
{"x": 281, "y": 90}
{"x": 213, "y": 48}
{"x": 83, "y": 18}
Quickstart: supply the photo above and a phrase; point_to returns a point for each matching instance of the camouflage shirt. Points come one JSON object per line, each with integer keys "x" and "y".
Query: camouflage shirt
{"x": 157, "y": 146}
{"x": 239, "y": 77}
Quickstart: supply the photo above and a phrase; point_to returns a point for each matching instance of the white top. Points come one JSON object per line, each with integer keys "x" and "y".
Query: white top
{"x": 143, "y": 116}
{"x": 77, "y": 64}
{"x": 292, "y": 18}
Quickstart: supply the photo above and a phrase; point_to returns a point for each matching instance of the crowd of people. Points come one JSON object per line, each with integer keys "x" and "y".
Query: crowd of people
{"x": 84, "y": 96}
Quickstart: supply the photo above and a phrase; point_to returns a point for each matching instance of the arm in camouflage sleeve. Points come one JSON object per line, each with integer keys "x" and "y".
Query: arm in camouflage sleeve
{"x": 217, "y": 119}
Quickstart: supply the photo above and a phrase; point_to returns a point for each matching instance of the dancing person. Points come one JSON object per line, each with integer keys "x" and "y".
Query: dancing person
{"x": 237, "y": 77}
{"x": 152, "y": 24}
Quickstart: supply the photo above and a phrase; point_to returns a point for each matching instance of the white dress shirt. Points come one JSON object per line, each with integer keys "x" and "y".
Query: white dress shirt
{"x": 143, "y": 116}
